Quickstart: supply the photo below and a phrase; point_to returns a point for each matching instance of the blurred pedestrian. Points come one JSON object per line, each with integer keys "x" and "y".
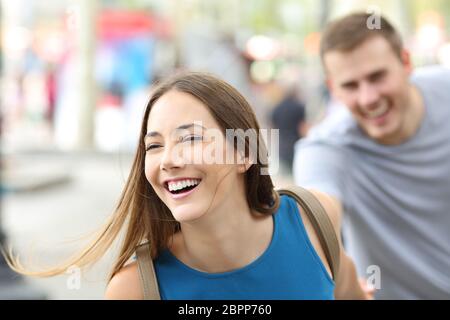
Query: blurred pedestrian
{"x": 385, "y": 158}
{"x": 289, "y": 117}
{"x": 51, "y": 87}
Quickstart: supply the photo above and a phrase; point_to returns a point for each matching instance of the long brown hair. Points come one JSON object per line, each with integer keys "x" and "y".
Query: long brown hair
{"x": 143, "y": 213}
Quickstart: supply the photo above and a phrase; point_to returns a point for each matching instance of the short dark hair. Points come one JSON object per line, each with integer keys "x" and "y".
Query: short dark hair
{"x": 350, "y": 31}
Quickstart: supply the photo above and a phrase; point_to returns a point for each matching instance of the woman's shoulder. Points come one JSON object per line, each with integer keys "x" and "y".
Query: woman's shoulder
{"x": 125, "y": 284}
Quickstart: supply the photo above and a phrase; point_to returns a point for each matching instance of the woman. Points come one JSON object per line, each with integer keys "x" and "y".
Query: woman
{"x": 216, "y": 227}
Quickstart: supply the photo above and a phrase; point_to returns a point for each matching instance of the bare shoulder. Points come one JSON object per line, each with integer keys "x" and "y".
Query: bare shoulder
{"x": 125, "y": 285}
{"x": 332, "y": 208}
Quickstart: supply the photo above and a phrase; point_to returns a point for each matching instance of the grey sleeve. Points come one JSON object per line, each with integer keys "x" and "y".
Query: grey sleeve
{"x": 321, "y": 166}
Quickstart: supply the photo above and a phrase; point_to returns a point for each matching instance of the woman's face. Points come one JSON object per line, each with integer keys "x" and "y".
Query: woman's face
{"x": 187, "y": 161}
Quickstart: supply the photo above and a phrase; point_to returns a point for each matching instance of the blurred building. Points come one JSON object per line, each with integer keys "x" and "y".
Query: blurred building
{"x": 77, "y": 72}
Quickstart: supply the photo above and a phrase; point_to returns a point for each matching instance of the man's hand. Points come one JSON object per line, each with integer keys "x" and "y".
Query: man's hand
{"x": 369, "y": 291}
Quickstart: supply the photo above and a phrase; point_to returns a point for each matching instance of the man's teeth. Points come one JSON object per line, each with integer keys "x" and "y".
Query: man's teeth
{"x": 174, "y": 186}
{"x": 381, "y": 109}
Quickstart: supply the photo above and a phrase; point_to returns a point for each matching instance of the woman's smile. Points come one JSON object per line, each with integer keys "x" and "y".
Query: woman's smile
{"x": 182, "y": 187}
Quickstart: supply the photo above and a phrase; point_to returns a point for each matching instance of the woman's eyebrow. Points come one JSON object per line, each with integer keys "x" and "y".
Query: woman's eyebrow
{"x": 182, "y": 127}
{"x": 190, "y": 125}
{"x": 152, "y": 134}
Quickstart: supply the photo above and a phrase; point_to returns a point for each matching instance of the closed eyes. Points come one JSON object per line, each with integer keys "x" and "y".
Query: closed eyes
{"x": 151, "y": 147}
{"x": 192, "y": 138}
{"x": 181, "y": 139}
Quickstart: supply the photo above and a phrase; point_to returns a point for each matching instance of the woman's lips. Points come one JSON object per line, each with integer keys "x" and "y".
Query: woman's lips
{"x": 184, "y": 194}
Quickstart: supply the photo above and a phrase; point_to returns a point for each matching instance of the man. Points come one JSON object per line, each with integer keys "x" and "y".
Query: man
{"x": 385, "y": 159}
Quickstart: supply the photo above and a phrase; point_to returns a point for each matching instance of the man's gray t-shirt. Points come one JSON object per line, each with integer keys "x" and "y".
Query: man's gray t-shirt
{"x": 396, "y": 198}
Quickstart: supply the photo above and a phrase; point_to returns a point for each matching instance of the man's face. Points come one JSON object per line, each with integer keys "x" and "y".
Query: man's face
{"x": 372, "y": 82}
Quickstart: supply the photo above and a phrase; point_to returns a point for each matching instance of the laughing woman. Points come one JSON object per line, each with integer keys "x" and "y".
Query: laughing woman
{"x": 216, "y": 227}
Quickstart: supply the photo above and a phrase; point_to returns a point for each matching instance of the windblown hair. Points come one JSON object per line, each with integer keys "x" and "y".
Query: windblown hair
{"x": 140, "y": 210}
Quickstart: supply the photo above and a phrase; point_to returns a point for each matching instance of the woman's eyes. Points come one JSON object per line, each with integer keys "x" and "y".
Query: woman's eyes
{"x": 192, "y": 138}
{"x": 151, "y": 146}
{"x": 182, "y": 139}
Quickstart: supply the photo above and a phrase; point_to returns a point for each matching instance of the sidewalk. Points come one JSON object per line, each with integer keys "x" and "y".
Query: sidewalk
{"x": 51, "y": 200}
{"x": 29, "y": 173}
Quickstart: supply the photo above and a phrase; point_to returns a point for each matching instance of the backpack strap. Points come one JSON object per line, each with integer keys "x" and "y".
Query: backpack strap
{"x": 147, "y": 273}
{"x": 321, "y": 223}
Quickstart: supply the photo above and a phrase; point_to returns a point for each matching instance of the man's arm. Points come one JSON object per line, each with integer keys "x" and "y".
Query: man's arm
{"x": 323, "y": 168}
{"x": 347, "y": 284}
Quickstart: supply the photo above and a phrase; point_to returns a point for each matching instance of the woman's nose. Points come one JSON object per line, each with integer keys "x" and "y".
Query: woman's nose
{"x": 172, "y": 158}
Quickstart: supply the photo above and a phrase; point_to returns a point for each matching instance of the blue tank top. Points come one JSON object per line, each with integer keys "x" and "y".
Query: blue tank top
{"x": 288, "y": 269}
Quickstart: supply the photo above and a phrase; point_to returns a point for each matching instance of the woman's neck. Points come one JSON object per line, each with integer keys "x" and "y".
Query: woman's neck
{"x": 228, "y": 238}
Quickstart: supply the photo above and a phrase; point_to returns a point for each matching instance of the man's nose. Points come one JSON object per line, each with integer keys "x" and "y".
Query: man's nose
{"x": 368, "y": 95}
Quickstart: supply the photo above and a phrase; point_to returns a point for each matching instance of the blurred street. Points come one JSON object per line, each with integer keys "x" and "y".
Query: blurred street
{"x": 52, "y": 199}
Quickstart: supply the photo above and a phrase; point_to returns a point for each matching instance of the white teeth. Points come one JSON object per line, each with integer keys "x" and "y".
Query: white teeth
{"x": 381, "y": 109}
{"x": 174, "y": 186}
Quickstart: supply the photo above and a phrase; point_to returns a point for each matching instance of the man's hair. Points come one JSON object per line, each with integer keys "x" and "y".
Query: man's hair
{"x": 348, "y": 32}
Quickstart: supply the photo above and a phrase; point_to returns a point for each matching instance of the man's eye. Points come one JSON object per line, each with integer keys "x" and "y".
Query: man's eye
{"x": 350, "y": 86}
{"x": 377, "y": 76}
{"x": 151, "y": 146}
